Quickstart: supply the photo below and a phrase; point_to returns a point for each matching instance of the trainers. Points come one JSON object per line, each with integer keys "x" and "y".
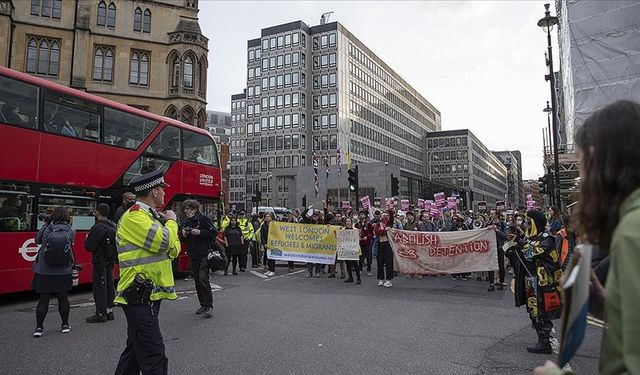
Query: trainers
{"x": 380, "y": 282}
{"x": 331, "y": 276}
{"x": 387, "y": 284}
{"x": 318, "y": 274}
{"x": 308, "y": 275}
{"x": 97, "y": 319}
{"x": 38, "y": 332}
{"x": 270, "y": 274}
{"x": 369, "y": 273}
{"x": 349, "y": 280}
{"x": 491, "y": 288}
{"x": 66, "y": 328}
{"x": 419, "y": 276}
{"x": 201, "y": 310}
{"x": 110, "y": 315}
{"x": 208, "y": 312}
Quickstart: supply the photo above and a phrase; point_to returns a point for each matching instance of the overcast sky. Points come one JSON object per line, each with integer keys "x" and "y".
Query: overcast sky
{"x": 480, "y": 63}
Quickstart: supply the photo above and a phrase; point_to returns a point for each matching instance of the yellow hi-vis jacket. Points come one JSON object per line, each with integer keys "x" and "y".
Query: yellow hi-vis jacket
{"x": 247, "y": 229}
{"x": 146, "y": 246}
{"x": 225, "y": 222}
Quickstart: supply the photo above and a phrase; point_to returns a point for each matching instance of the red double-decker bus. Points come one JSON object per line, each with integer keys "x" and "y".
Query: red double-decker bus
{"x": 65, "y": 147}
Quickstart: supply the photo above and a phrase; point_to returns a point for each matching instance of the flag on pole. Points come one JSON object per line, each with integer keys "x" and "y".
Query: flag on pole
{"x": 339, "y": 160}
{"x": 326, "y": 162}
{"x": 315, "y": 170}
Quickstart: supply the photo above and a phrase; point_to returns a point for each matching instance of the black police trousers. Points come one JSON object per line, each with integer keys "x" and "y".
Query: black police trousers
{"x": 145, "y": 346}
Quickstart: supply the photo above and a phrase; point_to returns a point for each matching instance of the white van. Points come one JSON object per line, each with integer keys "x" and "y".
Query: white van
{"x": 276, "y": 212}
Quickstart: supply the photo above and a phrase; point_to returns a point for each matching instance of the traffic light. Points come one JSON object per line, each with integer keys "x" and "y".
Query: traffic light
{"x": 353, "y": 178}
{"x": 544, "y": 184}
{"x": 395, "y": 186}
{"x": 258, "y": 196}
{"x": 304, "y": 200}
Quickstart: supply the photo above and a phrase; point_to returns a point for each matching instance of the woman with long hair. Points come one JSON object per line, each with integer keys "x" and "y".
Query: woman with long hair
{"x": 54, "y": 276}
{"x": 609, "y": 213}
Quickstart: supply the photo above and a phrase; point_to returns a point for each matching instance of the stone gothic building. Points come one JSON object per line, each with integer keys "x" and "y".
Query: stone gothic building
{"x": 147, "y": 54}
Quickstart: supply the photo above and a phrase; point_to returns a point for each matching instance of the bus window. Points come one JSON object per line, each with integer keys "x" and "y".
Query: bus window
{"x": 199, "y": 148}
{"x": 18, "y": 103}
{"x": 72, "y": 117}
{"x": 81, "y": 209}
{"x": 16, "y": 208}
{"x": 167, "y": 143}
{"x": 126, "y": 130}
{"x": 145, "y": 164}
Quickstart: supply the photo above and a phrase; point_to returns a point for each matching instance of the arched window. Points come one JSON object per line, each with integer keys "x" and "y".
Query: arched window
{"x": 146, "y": 26}
{"x": 43, "y": 56}
{"x": 111, "y": 16}
{"x": 171, "y": 112}
{"x": 139, "y": 72}
{"x": 137, "y": 20}
{"x": 102, "y": 14}
{"x": 187, "y": 115}
{"x": 202, "y": 118}
{"x": 187, "y": 76}
{"x": 103, "y": 64}
{"x": 175, "y": 72}
{"x": 202, "y": 76}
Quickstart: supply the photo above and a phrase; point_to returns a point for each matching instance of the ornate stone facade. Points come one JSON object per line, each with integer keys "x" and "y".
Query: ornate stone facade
{"x": 147, "y": 53}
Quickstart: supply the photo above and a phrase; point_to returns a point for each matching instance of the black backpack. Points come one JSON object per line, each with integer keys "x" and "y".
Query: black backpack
{"x": 58, "y": 249}
{"x": 110, "y": 248}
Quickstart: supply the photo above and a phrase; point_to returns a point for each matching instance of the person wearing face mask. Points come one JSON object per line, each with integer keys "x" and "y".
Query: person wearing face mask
{"x": 234, "y": 241}
{"x": 537, "y": 278}
{"x": 197, "y": 232}
{"x": 128, "y": 200}
{"x": 385, "y": 254}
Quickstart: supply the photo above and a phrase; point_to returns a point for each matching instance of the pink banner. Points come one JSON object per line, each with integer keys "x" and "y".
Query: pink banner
{"x": 365, "y": 202}
{"x": 444, "y": 252}
{"x": 404, "y": 205}
{"x": 441, "y": 200}
{"x": 389, "y": 203}
{"x": 346, "y": 205}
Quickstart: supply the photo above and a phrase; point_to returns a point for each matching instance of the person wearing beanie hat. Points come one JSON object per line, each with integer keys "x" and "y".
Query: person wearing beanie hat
{"x": 537, "y": 278}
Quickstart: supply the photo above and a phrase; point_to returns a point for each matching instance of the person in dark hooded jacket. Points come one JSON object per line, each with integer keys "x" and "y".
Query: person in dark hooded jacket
{"x": 537, "y": 272}
{"x": 101, "y": 242}
{"x": 198, "y": 233}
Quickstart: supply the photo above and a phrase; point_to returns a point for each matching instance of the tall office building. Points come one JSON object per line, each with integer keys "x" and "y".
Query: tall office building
{"x": 515, "y": 188}
{"x": 148, "y": 54}
{"x": 319, "y": 90}
{"x": 457, "y": 158}
{"x": 219, "y": 125}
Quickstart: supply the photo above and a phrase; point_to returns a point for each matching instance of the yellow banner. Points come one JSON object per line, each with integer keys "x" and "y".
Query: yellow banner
{"x": 309, "y": 243}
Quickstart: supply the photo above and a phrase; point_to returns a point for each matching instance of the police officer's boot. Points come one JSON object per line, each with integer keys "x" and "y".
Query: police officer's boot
{"x": 543, "y": 346}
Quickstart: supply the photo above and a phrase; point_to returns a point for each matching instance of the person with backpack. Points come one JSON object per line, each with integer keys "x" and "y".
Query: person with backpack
{"x": 101, "y": 243}
{"x": 53, "y": 268}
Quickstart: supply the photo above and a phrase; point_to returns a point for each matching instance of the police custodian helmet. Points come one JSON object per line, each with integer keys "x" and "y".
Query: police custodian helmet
{"x": 147, "y": 181}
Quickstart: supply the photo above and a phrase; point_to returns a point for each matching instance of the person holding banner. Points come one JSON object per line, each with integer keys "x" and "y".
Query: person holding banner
{"x": 385, "y": 254}
{"x": 311, "y": 216}
{"x": 497, "y": 222}
{"x": 609, "y": 212}
{"x": 352, "y": 264}
{"x": 537, "y": 273}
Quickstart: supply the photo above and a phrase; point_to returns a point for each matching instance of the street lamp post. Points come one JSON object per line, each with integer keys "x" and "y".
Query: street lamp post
{"x": 429, "y": 155}
{"x": 546, "y": 24}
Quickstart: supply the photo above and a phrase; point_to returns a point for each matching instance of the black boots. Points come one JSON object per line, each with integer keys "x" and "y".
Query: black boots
{"x": 540, "y": 348}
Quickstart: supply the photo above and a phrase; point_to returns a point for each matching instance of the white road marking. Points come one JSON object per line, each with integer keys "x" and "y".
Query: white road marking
{"x": 261, "y": 275}
{"x": 286, "y": 274}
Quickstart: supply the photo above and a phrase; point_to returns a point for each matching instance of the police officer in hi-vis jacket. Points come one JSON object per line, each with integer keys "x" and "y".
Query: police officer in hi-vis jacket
{"x": 147, "y": 241}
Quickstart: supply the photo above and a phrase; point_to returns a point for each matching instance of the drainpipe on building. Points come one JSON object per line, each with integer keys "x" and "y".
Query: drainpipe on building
{"x": 73, "y": 47}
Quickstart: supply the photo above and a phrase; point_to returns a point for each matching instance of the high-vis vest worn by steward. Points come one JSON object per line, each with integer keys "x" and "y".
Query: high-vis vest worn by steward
{"x": 146, "y": 246}
{"x": 247, "y": 229}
